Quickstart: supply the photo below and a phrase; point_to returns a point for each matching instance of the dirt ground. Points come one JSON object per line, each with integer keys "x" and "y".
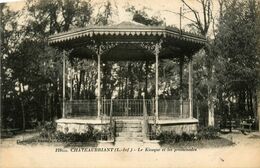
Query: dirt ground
{"x": 246, "y": 153}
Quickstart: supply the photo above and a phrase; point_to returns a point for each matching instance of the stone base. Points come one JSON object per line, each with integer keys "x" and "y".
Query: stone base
{"x": 152, "y": 143}
{"x": 79, "y": 125}
{"x": 108, "y": 143}
{"x": 189, "y": 125}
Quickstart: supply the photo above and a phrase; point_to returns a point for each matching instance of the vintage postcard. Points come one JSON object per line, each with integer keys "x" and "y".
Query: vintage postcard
{"x": 130, "y": 83}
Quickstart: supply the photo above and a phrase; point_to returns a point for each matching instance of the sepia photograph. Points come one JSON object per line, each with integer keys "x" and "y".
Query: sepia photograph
{"x": 129, "y": 83}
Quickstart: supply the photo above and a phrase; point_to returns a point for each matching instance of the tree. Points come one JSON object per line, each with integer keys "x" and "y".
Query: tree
{"x": 202, "y": 24}
{"x": 31, "y": 69}
{"x": 142, "y": 17}
{"x": 235, "y": 48}
{"x": 9, "y": 37}
{"x": 104, "y": 15}
{"x": 258, "y": 65}
{"x": 46, "y": 17}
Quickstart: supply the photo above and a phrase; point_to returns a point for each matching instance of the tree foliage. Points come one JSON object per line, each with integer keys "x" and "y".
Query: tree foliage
{"x": 235, "y": 48}
{"x": 31, "y": 70}
{"x": 140, "y": 16}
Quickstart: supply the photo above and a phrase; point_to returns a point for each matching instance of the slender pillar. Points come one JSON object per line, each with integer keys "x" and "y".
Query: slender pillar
{"x": 64, "y": 85}
{"x": 157, "y": 51}
{"x": 69, "y": 105}
{"x": 181, "y": 87}
{"x": 190, "y": 89}
{"x": 99, "y": 86}
{"x": 71, "y": 83}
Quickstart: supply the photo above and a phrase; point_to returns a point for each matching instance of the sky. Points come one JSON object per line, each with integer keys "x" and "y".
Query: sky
{"x": 159, "y": 8}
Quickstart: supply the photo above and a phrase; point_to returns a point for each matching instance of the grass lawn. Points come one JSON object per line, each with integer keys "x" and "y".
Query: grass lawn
{"x": 204, "y": 143}
{"x": 37, "y": 140}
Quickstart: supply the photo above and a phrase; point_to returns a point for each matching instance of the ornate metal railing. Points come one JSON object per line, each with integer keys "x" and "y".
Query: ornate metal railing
{"x": 127, "y": 108}
{"x": 81, "y": 108}
{"x": 172, "y": 109}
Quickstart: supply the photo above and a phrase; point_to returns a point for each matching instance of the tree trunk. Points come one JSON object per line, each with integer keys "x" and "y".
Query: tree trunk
{"x": 49, "y": 107}
{"x": 198, "y": 112}
{"x": 45, "y": 109}
{"x": 258, "y": 109}
{"x": 247, "y": 102}
{"x": 251, "y": 103}
{"x": 210, "y": 108}
{"x": 244, "y": 103}
{"x": 211, "y": 95}
{"x": 55, "y": 99}
{"x": 203, "y": 24}
{"x": 22, "y": 107}
{"x": 221, "y": 109}
{"x": 126, "y": 89}
{"x": 229, "y": 115}
{"x": 23, "y": 113}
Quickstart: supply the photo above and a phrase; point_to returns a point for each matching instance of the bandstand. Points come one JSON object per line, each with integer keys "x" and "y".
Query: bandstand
{"x": 129, "y": 41}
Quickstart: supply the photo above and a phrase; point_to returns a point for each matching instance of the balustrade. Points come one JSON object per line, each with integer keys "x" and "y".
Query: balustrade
{"x": 127, "y": 108}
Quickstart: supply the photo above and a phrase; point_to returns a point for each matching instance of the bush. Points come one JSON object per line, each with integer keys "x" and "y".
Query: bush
{"x": 207, "y": 133}
{"x": 75, "y": 137}
{"x": 154, "y": 132}
{"x": 203, "y": 133}
{"x": 172, "y": 137}
{"x": 90, "y": 135}
{"x": 105, "y": 133}
{"x": 48, "y": 132}
{"x": 188, "y": 137}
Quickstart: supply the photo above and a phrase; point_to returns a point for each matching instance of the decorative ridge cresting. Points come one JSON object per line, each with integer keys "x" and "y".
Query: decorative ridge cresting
{"x": 126, "y": 29}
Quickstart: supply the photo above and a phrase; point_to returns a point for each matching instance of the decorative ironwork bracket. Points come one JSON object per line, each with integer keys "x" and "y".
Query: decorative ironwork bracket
{"x": 105, "y": 47}
{"x": 102, "y": 48}
{"x": 152, "y": 47}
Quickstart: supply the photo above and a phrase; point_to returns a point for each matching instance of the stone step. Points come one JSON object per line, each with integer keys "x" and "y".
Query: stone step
{"x": 128, "y": 124}
{"x": 118, "y": 139}
{"x": 128, "y": 121}
{"x": 128, "y": 129}
{"x": 129, "y": 134}
{"x": 129, "y": 144}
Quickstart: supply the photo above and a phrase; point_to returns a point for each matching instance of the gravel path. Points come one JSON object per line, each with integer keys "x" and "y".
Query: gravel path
{"x": 246, "y": 153}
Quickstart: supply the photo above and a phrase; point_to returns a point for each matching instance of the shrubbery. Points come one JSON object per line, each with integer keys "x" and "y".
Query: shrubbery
{"x": 47, "y": 130}
{"x": 207, "y": 133}
{"x": 77, "y": 137}
{"x": 173, "y": 137}
{"x": 49, "y": 133}
{"x": 105, "y": 133}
